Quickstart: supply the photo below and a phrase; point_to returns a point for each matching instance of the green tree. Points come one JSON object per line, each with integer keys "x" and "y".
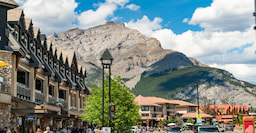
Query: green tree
{"x": 190, "y": 120}
{"x": 164, "y": 122}
{"x": 126, "y": 110}
{"x": 179, "y": 121}
{"x": 170, "y": 120}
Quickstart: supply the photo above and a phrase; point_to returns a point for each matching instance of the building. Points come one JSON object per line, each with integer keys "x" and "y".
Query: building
{"x": 39, "y": 85}
{"x": 225, "y": 113}
{"x": 155, "y": 109}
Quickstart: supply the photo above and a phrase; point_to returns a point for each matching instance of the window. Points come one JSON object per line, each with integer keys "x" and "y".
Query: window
{"x": 145, "y": 114}
{"x": 62, "y": 94}
{"x": 158, "y": 109}
{"x": 74, "y": 100}
{"x": 51, "y": 90}
{"x": 169, "y": 106}
{"x": 23, "y": 77}
{"x": 144, "y": 108}
{"x": 81, "y": 102}
{"x": 192, "y": 109}
{"x": 39, "y": 85}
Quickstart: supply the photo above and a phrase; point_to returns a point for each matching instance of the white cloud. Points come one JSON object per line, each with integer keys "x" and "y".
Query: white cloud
{"x": 225, "y": 15}
{"x": 133, "y": 7}
{"x": 105, "y": 10}
{"x": 145, "y": 26}
{"x": 51, "y": 15}
{"x": 228, "y": 31}
{"x": 185, "y": 20}
{"x": 246, "y": 72}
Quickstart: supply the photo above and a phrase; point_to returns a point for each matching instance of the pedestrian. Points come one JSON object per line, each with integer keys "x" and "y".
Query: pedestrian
{"x": 30, "y": 130}
{"x": 48, "y": 130}
{"x": 69, "y": 130}
{"x": 4, "y": 130}
{"x": 38, "y": 130}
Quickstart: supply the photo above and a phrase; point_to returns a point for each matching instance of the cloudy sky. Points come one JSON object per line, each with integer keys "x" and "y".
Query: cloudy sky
{"x": 218, "y": 33}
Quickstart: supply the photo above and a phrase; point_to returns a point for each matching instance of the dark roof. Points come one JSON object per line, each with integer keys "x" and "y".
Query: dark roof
{"x": 9, "y": 3}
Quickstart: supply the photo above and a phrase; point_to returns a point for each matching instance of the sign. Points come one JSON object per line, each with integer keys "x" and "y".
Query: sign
{"x": 199, "y": 124}
{"x": 106, "y": 129}
{"x": 215, "y": 123}
{"x": 198, "y": 116}
{"x": 198, "y": 120}
{"x": 248, "y": 125}
{"x": 30, "y": 117}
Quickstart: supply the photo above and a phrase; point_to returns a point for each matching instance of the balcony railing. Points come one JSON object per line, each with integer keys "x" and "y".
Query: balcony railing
{"x": 4, "y": 87}
{"x": 64, "y": 104}
{"x": 23, "y": 92}
{"x": 39, "y": 97}
{"x": 51, "y": 99}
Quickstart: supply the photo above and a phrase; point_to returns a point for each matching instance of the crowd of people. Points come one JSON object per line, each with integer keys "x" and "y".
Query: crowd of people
{"x": 62, "y": 130}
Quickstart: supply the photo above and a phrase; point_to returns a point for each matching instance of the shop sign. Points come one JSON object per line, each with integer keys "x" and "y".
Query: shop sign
{"x": 30, "y": 117}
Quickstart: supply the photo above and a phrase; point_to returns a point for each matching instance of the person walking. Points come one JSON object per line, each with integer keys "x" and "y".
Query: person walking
{"x": 38, "y": 130}
{"x": 48, "y": 130}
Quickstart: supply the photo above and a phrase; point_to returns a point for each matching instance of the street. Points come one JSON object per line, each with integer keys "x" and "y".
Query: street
{"x": 190, "y": 131}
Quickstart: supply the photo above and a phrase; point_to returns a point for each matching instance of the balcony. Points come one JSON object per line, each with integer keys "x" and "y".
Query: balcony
{"x": 39, "y": 97}
{"x": 4, "y": 87}
{"x": 51, "y": 99}
{"x": 23, "y": 92}
{"x": 64, "y": 104}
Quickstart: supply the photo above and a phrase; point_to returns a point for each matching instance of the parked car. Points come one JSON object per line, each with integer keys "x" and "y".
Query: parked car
{"x": 135, "y": 129}
{"x": 229, "y": 128}
{"x": 175, "y": 129}
{"x": 210, "y": 128}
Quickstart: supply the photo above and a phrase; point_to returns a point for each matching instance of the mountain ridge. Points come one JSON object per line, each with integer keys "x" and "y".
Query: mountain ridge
{"x": 136, "y": 57}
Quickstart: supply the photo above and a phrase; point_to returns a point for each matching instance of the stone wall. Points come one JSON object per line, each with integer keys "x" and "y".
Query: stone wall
{"x": 5, "y": 81}
{"x": 5, "y": 71}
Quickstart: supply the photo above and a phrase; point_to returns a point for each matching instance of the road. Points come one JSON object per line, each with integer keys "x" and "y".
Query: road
{"x": 190, "y": 131}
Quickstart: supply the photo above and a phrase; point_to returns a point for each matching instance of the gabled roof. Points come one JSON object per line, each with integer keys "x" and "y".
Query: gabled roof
{"x": 143, "y": 101}
{"x": 36, "y": 31}
{"x": 9, "y": 3}
{"x": 14, "y": 15}
{"x": 28, "y": 22}
{"x": 159, "y": 100}
{"x": 69, "y": 56}
{"x": 193, "y": 115}
{"x": 182, "y": 103}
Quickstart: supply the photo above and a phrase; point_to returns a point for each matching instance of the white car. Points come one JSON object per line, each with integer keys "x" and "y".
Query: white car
{"x": 135, "y": 129}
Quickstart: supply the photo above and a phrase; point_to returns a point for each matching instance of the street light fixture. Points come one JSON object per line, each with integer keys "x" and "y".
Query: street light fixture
{"x": 106, "y": 61}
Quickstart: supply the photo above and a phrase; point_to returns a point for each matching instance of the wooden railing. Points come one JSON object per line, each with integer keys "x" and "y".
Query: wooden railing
{"x": 23, "y": 92}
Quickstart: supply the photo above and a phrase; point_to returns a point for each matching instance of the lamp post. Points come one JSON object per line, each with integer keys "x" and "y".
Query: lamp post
{"x": 106, "y": 61}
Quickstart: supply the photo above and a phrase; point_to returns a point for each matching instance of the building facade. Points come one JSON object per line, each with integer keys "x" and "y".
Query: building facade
{"x": 40, "y": 86}
{"x": 155, "y": 109}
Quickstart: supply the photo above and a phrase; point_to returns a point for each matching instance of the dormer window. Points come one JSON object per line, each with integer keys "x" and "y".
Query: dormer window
{"x": 45, "y": 57}
{"x": 32, "y": 47}
{"x": 62, "y": 70}
{"x": 39, "y": 54}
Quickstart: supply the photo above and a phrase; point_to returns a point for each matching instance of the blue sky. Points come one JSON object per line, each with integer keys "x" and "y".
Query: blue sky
{"x": 218, "y": 33}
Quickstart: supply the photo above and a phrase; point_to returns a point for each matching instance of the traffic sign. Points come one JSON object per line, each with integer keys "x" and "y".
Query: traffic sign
{"x": 198, "y": 116}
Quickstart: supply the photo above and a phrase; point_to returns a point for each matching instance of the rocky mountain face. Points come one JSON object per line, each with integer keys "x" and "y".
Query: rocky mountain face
{"x": 134, "y": 54}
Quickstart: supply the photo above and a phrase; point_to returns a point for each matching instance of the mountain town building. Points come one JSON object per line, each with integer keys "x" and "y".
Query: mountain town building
{"x": 155, "y": 109}
{"x": 39, "y": 85}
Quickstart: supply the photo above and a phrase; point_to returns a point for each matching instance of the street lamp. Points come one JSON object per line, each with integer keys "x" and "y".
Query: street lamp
{"x": 106, "y": 61}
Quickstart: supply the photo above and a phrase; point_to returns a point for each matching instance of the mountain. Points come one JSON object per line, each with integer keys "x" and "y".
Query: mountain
{"x": 145, "y": 66}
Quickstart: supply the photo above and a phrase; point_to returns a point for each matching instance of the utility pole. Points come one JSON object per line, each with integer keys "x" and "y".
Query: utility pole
{"x": 254, "y": 14}
{"x": 197, "y": 97}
